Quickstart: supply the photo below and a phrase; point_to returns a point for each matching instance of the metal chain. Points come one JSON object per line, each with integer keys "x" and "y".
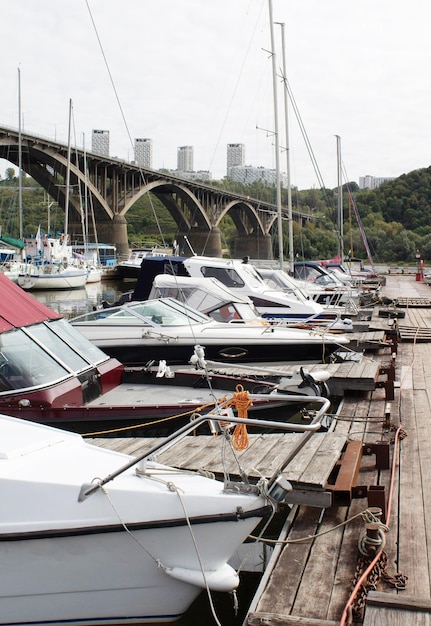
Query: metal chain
{"x": 379, "y": 572}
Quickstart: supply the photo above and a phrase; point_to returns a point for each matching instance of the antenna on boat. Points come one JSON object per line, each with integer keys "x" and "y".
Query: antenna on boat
{"x": 189, "y": 245}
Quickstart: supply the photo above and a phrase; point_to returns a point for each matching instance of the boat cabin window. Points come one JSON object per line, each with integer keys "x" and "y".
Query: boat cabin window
{"x": 225, "y": 275}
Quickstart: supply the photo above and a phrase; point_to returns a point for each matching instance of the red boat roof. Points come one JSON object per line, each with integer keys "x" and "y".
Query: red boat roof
{"x": 18, "y": 308}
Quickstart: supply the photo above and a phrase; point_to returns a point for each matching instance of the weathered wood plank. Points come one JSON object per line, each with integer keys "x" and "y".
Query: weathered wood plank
{"x": 413, "y": 559}
{"x": 270, "y": 619}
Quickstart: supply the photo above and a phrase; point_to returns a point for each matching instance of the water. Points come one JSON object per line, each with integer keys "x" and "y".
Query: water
{"x": 73, "y": 302}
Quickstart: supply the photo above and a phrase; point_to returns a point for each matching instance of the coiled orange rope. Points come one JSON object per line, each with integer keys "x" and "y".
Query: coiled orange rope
{"x": 241, "y": 401}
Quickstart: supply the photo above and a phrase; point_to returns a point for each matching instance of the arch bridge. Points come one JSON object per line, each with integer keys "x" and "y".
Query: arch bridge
{"x": 113, "y": 186}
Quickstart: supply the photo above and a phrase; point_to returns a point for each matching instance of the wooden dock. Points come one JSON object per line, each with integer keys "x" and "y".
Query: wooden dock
{"x": 310, "y": 583}
{"x": 381, "y": 453}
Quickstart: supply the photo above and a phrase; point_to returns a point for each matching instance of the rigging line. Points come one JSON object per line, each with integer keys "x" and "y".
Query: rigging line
{"x": 236, "y": 87}
{"x": 358, "y": 220}
{"x": 109, "y": 73}
{"x": 306, "y": 139}
{"x": 123, "y": 116}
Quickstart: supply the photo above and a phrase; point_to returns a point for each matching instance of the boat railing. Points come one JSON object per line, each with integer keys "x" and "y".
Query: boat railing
{"x": 217, "y": 417}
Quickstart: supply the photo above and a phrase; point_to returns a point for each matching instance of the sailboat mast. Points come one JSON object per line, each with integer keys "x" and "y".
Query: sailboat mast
{"x": 277, "y": 140}
{"x": 340, "y": 202}
{"x": 67, "y": 190}
{"x": 21, "y": 229}
{"x": 286, "y": 124}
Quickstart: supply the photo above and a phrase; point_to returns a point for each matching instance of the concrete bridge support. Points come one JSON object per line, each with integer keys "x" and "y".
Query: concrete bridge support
{"x": 254, "y": 246}
{"x": 203, "y": 242}
{"x": 115, "y": 232}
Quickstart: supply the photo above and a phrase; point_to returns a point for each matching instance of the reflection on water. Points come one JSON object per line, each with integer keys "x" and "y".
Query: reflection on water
{"x": 73, "y": 302}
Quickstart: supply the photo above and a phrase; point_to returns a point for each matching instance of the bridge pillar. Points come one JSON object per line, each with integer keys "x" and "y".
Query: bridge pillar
{"x": 255, "y": 246}
{"x": 115, "y": 231}
{"x": 203, "y": 242}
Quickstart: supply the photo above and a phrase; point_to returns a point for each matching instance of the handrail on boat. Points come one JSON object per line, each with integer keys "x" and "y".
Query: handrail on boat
{"x": 308, "y": 430}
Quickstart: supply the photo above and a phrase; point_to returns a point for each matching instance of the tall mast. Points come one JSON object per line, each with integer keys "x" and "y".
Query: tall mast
{"x": 286, "y": 124}
{"x": 67, "y": 190}
{"x": 277, "y": 140}
{"x": 20, "y": 158}
{"x": 340, "y": 202}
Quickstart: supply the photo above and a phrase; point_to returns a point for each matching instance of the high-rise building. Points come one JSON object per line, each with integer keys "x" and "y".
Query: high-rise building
{"x": 248, "y": 174}
{"x": 372, "y": 182}
{"x": 235, "y": 155}
{"x": 144, "y": 152}
{"x": 100, "y": 142}
{"x": 185, "y": 159}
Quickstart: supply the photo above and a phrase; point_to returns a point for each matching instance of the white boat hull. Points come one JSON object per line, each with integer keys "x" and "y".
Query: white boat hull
{"x": 131, "y": 552}
{"x": 68, "y": 279}
{"x": 99, "y": 579}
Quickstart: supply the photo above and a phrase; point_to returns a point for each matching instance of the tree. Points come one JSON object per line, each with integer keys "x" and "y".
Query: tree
{"x": 10, "y": 174}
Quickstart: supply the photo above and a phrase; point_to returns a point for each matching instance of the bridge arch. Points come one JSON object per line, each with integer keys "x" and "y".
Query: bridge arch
{"x": 114, "y": 185}
{"x": 181, "y": 202}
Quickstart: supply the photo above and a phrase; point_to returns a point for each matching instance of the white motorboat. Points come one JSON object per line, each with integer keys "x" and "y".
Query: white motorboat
{"x": 92, "y": 536}
{"x": 129, "y": 269}
{"x": 207, "y": 295}
{"x": 325, "y": 288}
{"x": 136, "y": 332}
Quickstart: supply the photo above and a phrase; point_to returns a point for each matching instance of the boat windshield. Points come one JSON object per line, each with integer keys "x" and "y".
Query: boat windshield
{"x": 23, "y": 363}
{"x": 313, "y": 275}
{"x": 166, "y": 312}
{"x": 34, "y": 356}
{"x": 69, "y": 344}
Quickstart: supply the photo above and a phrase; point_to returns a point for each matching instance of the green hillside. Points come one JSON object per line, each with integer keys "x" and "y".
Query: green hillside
{"x": 396, "y": 217}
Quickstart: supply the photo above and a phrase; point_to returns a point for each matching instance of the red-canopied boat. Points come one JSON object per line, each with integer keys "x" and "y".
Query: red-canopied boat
{"x": 50, "y": 373}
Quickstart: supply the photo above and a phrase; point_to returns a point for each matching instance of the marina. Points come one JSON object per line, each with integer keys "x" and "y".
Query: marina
{"x": 379, "y": 454}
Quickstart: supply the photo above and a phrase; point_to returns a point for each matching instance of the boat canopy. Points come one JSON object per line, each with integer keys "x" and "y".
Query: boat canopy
{"x": 18, "y": 308}
{"x": 11, "y": 241}
{"x": 207, "y": 295}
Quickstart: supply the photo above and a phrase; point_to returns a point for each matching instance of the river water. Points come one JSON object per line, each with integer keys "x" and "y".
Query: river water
{"x": 79, "y": 301}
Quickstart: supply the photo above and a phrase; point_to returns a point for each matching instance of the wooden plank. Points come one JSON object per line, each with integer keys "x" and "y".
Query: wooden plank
{"x": 409, "y": 602}
{"x": 270, "y": 619}
{"x": 279, "y": 594}
{"x": 323, "y": 461}
{"x": 313, "y": 599}
{"x": 413, "y": 554}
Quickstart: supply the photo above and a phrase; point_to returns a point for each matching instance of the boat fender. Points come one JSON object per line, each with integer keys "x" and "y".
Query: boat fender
{"x": 164, "y": 371}
{"x": 223, "y": 579}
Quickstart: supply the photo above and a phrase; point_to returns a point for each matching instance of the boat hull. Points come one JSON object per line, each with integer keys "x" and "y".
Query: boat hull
{"x": 135, "y": 547}
{"x": 103, "y": 578}
{"x": 179, "y": 351}
{"x": 70, "y": 279}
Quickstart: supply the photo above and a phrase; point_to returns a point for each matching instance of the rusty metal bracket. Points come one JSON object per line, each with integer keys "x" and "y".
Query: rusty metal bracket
{"x": 388, "y": 369}
{"x": 381, "y": 450}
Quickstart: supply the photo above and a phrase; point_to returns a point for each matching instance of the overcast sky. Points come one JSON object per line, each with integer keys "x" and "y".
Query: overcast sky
{"x": 198, "y": 73}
